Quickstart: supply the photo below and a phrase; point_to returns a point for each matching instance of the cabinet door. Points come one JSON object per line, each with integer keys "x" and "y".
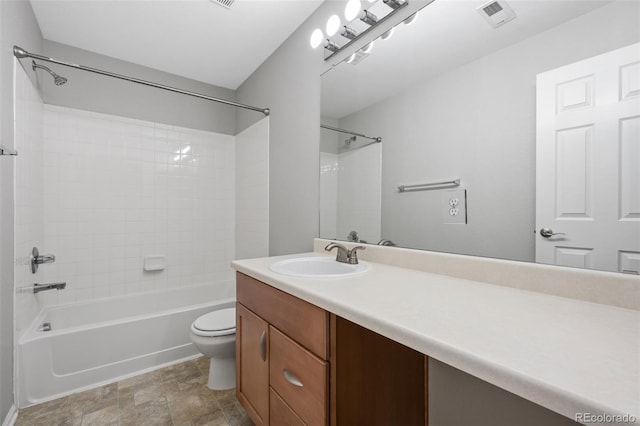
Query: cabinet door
{"x": 252, "y": 364}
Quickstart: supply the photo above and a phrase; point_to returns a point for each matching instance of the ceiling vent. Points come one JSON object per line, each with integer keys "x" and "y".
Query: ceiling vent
{"x": 224, "y": 3}
{"x": 496, "y": 13}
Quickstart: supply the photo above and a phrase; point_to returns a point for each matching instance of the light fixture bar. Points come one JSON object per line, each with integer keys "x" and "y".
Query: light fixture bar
{"x": 365, "y": 32}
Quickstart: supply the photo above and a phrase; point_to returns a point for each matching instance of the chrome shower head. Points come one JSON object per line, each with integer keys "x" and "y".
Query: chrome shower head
{"x": 57, "y": 79}
{"x": 349, "y": 141}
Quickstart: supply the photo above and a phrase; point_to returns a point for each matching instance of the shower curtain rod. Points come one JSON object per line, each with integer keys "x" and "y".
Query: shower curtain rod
{"x": 349, "y": 132}
{"x": 20, "y": 53}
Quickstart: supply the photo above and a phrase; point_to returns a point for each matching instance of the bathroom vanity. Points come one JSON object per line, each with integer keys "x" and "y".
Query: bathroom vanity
{"x": 299, "y": 364}
{"x": 358, "y": 350}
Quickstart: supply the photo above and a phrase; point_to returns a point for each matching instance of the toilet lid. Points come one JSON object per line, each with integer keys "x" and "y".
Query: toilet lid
{"x": 221, "y": 320}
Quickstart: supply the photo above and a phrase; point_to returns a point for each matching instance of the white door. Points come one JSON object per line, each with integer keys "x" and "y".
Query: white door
{"x": 588, "y": 163}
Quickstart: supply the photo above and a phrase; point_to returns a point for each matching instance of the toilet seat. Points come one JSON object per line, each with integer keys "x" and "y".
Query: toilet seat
{"x": 217, "y": 323}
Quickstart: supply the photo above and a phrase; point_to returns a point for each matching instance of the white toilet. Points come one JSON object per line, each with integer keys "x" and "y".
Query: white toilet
{"x": 214, "y": 334}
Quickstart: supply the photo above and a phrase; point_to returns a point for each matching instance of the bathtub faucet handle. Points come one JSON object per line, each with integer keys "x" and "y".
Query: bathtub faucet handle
{"x": 39, "y": 259}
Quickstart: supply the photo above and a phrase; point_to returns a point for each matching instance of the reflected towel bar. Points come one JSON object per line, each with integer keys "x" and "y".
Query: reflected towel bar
{"x": 6, "y": 151}
{"x": 431, "y": 185}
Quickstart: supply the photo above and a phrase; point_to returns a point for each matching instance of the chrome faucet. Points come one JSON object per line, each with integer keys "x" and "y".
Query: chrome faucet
{"x": 344, "y": 254}
{"x": 37, "y": 288}
{"x": 385, "y": 242}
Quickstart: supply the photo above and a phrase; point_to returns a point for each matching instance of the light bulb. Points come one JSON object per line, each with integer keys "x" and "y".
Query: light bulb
{"x": 333, "y": 24}
{"x": 411, "y": 18}
{"x": 367, "y": 47}
{"x": 316, "y": 38}
{"x": 352, "y": 9}
{"x": 387, "y": 34}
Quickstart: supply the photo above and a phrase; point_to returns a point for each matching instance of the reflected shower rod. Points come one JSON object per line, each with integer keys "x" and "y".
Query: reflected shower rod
{"x": 20, "y": 53}
{"x": 349, "y": 132}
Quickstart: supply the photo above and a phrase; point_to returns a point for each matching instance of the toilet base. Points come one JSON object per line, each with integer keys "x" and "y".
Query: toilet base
{"x": 222, "y": 373}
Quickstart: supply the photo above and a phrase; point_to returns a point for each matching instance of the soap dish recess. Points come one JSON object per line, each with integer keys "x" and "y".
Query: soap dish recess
{"x": 155, "y": 263}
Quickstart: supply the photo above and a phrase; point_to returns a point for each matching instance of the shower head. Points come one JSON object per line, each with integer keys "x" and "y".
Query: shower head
{"x": 57, "y": 79}
{"x": 349, "y": 141}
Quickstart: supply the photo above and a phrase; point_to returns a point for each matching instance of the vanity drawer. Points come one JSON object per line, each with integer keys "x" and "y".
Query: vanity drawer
{"x": 280, "y": 413}
{"x": 299, "y": 377}
{"x": 303, "y": 322}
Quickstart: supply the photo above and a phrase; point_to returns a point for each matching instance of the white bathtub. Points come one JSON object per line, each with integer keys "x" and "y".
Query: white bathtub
{"x": 98, "y": 342}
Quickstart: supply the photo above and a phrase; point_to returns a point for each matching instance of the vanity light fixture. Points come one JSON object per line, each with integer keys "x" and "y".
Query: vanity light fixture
{"x": 329, "y": 45}
{"x": 393, "y": 4}
{"x": 349, "y": 33}
{"x": 316, "y": 38}
{"x": 358, "y": 23}
{"x": 368, "y": 17}
{"x": 352, "y": 9}
{"x": 333, "y": 24}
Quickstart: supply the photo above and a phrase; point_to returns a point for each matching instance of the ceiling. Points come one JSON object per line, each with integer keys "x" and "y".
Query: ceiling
{"x": 197, "y": 39}
{"x": 446, "y": 35}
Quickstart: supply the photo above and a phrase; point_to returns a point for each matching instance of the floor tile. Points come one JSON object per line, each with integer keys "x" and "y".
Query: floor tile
{"x": 174, "y": 396}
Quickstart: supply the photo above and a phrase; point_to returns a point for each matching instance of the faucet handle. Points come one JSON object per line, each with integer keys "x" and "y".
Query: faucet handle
{"x": 352, "y": 255}
{"x": 38, "y": 259}
{"x": 343, "y": 253}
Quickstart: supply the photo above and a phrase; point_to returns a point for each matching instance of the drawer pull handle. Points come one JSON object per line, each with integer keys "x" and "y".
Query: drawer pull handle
{"x": 263, "y": 346}
{"x": 291, "y": 378}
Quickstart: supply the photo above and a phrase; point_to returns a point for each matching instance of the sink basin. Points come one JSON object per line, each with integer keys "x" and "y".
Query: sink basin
{"x": 318, "y": 267}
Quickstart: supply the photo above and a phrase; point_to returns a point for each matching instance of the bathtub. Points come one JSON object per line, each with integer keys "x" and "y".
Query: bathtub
{"x": 98, "y": 342}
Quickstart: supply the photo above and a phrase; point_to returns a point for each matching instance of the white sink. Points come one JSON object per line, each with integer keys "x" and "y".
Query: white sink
{"x": 318, "y": 267}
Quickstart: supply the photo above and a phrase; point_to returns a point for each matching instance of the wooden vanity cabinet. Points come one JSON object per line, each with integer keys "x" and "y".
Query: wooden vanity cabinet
{"x": 297, "y": 364}
{"x": 291, "y": 383}
{"x": 252, "y": 367}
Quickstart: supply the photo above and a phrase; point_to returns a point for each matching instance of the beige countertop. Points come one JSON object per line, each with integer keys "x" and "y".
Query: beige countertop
{"x": 568, "y": 355}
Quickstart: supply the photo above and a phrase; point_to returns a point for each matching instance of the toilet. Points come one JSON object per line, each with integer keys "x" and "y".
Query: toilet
{"x": 214, "y": 334}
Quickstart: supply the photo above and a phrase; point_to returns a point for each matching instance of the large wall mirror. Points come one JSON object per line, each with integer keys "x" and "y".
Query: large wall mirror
{"x": 520, "y": 141}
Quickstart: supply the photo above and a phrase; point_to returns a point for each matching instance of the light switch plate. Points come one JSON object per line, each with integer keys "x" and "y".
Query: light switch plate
{"x": 454, "y": 206}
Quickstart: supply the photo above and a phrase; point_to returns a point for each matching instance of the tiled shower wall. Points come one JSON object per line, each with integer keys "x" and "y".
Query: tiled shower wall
{"x": 350, "y": 194}
{"x": 117, "y": 190}
{"x": 28, "y": 194}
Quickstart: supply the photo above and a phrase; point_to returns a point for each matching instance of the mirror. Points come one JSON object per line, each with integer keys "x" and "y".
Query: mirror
{"x": 453, "y": 98}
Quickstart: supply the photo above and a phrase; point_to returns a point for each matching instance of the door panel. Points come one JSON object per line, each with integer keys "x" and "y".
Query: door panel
{"x": 588, "y": 163}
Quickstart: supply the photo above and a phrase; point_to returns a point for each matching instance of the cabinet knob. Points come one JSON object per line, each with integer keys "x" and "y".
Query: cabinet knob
{"x": 291, "y": 378}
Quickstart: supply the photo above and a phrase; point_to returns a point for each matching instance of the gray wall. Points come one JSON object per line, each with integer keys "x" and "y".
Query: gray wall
{"x": 17, "y": 26}
{"x": 457, "y": 398}
{"x": 477, "y": 122}
{"x": 288, "y": 82}
{"x": 97, "y": 93}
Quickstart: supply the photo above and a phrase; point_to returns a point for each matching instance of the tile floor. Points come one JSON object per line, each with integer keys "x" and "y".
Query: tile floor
{"x": 176, "y": 395}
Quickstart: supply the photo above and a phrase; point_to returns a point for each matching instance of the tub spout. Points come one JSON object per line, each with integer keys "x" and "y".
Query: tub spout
{"x": 37, "y": 288}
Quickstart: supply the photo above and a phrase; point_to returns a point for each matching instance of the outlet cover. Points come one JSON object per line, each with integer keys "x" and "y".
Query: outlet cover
{"x": 454, "y": 206}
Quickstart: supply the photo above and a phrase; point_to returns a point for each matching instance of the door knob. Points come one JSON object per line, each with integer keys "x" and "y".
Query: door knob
{"x": 548, "y": 232}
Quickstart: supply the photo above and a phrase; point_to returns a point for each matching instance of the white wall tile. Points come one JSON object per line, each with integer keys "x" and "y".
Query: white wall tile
{"x": 29, "y": 231}
{"x": 118, "y": 189}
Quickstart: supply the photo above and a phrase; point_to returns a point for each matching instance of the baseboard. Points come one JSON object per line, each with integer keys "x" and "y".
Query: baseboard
{"x": 12, "y": 416}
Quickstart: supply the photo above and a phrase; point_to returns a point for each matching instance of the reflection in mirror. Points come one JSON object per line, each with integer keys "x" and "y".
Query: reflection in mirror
{"x": 452, "y": 96}
{"x": 350, "y": 179}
